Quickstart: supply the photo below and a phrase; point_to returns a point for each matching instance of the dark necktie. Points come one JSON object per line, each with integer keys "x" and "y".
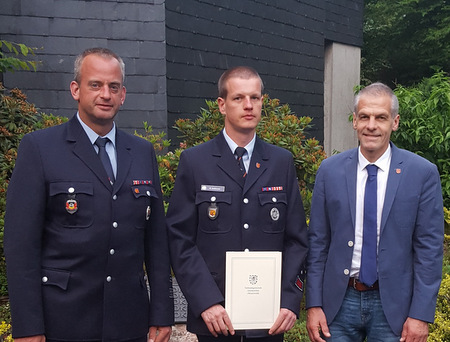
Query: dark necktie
{"x": 239, "y": 152}
{"x": 101, "y": 142}
{"x": 368, "y": 271}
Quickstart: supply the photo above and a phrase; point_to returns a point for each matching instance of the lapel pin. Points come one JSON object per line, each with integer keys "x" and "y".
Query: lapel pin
{"x": 258, "y": 165}
{"x": 398, "y": 171}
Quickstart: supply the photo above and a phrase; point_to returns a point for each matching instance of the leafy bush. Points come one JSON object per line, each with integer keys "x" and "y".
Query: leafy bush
{"x": 425, "y": 124}
{"x": 167, "y": 163}
{"x": 14, "y": 63}
{"x": 5, "y": 332}
{"x": 447, "y": 220}
{"x": 446, "y": 261}
{"x": 440, "y": 330}
{"x": 17, "y": 117}
{"x": 298, "y": 333}
{"x": 278, "y": 126}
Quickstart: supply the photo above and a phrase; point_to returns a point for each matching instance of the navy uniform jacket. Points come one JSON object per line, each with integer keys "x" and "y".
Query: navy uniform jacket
{"x": 198, "y": 243}
{"x": 411, "y": 237}
{"x": 79, "y": 276}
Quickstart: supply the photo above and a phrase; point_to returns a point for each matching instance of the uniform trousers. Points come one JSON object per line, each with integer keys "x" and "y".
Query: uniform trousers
{"x": 140, "y": 339}
{"x": 239, "y": 338}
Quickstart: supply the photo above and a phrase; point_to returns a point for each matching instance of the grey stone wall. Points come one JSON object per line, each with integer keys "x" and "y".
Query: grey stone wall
{"x": 283, "y": 40}
{"x": 194, "y": 40}
{"x": 63, "y": 28}
{"x": 344, "y": 20}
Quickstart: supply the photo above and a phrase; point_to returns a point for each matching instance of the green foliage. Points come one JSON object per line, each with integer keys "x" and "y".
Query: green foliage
{"x": 278, "y": 126}
{"x": 14, "y": 63}
{"x": 5, "y": 319}
{"x": 205, "y": 127}
{"x": 17, "y": 117}
{"x": 167, "y": 163}
{"x": 446, "y": 261}
{"x": 405, "y": 40}
{"x": 440, "y": 330}
{"x": 447, "y": 220}
{"x": 425, "y": 124}
{"x": 298, "y": 333}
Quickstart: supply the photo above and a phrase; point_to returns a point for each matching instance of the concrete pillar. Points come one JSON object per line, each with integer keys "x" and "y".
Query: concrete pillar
{"x": 342, "y": 74}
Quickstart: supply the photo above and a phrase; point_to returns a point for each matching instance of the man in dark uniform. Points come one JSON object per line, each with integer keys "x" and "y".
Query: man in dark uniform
{"x": 83, "y": 218}
{"x": 219, "y": 206}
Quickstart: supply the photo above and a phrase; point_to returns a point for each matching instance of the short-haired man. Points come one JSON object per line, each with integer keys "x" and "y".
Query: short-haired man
{"x": 376, "y": 235}
{"x": 84, "y": 215}
{"x": 257, "y": 207}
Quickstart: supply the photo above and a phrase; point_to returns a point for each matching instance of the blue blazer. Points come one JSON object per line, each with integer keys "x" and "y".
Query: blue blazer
{"x": 410, "y": 248}
{"x": 198, "y": 243}
{"x": 78, "y": 275}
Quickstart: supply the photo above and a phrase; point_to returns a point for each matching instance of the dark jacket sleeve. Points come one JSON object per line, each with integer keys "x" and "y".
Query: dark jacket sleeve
{"x": 24, "y": 224}
{"x": 158, "y": 260}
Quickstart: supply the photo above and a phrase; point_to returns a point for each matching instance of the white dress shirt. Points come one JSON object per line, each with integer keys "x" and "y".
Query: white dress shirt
{"x": 383, "y": 164}
{"x": 249, "y": 147}
{"x": 110, "y": 146}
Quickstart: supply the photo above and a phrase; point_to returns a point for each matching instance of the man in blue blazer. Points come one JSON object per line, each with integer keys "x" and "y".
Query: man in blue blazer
{"x": 77, "y": 238}
{"x": 218, "y": 205}
{"x": 390, "y": 296}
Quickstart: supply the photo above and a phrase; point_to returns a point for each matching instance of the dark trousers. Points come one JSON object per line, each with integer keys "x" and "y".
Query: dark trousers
{"x": 239, "y": 338}
{"x": 141, "y": 339}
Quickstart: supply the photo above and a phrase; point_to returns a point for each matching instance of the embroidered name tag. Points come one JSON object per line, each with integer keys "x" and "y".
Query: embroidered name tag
{"x": 215, "y": 188}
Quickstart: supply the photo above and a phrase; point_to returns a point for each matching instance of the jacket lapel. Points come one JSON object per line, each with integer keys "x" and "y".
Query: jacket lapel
{"x": 123, "y": 149}
{"x": 226, "y": 161}
{"x": 258, "y": 164}
{"x": 84, "y": 150}
{"x": 393, "y": 181}
{"x": 350, "y": 177}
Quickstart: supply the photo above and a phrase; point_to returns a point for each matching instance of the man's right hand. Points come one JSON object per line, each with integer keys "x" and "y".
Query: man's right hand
{"x": 316, "y": 322}
{"x": 217, "y": 320}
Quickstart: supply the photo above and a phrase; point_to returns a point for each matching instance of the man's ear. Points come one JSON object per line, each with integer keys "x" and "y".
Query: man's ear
{"x": 221, "y": 103}
{"x": 75, "y": 90}
{"x": 396, "y": 123}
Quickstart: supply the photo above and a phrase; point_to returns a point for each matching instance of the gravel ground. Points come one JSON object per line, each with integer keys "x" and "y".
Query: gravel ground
{"x": 180, "y": 334}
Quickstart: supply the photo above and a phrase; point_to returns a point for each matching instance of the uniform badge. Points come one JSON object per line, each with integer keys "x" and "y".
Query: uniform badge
{"x": 274, "y": 214}
{"x": 213, "y": 211}
{"x": 71, "y": 206}
{"x": 147, "y": 213}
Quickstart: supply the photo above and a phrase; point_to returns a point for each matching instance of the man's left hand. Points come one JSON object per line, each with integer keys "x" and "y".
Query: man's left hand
{"x": 159, "y": 334}
{"x": 285, "y": 321}
{"x": 414, "y": 330}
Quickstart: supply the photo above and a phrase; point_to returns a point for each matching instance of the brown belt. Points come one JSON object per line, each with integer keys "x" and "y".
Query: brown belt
{"x": 358, "y": 286}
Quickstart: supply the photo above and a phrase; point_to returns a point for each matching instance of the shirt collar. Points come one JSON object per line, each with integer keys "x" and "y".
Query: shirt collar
{"x": 93, "y": 136}
{"x": 249, "y": 147}
{"x": 382, "y": 163}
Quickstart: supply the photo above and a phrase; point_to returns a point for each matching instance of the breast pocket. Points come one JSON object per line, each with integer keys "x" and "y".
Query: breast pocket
{"x": 214, "y": 211}
{"x": 71, "y": 204}
{"x": 273, "y": 217}
{"x": 143, "y": 195}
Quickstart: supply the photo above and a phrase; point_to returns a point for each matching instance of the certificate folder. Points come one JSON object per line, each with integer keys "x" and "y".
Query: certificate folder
{"x": 253, "y": 289}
